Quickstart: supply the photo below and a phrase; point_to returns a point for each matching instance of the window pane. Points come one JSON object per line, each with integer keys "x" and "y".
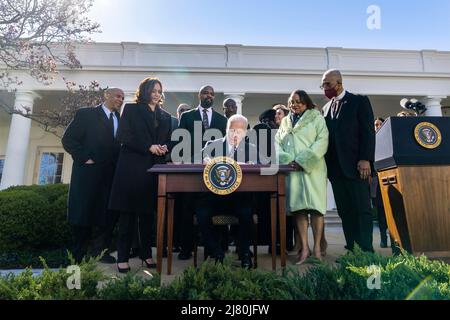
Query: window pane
{"x": 2, "y": 163}
{"x": 50, "y": 168}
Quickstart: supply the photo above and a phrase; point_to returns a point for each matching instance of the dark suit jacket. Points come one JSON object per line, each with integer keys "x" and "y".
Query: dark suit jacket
{"x": 352, "y": 138}
{"x": 133, "y": 188}
{"x": 189, "y": 118}
{"x": 89, "y": 136}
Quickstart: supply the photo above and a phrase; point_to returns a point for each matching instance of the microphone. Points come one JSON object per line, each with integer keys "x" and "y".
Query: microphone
{"x": 413, "y": 104}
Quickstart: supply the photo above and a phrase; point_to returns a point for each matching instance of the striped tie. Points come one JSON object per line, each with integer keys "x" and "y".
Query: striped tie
{"x": 205, "y": 120}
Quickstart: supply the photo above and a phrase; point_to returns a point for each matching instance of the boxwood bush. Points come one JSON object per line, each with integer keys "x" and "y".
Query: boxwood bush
{"x": 33, "y": 223}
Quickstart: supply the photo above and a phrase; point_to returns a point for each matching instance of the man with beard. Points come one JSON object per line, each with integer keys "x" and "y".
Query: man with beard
{"x": 198, "y": 122}
{"x": 91, "y": 141}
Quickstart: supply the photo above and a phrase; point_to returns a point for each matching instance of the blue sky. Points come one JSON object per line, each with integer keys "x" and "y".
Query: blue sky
{"x": 413, "y": 24}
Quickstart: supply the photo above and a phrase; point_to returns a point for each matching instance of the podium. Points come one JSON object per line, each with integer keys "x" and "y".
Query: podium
{"x": 412, "y": 158}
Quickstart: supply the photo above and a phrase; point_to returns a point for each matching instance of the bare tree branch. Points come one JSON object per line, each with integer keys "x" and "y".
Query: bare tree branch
{"x": 31, "y": 30}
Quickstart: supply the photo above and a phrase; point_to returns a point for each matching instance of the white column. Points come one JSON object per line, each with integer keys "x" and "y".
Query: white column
{"x": 434, "y": 108}
{"x": 18, "y": 139}
{"x": 238, "y": 97}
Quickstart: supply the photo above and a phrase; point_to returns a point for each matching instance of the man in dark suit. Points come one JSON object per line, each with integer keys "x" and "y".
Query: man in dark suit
{"x": 90, "y": 140}
{"x": 200, "y": 122}
{"x": 350, "y": 157}
{"x": 229, "y": 108}
{"x": 234, "y": 146}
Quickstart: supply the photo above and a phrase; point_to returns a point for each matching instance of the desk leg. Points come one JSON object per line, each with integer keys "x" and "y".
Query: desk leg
{"x": 160, "y": 231}
{"x": 273, "y": 224}
{"x": 170, "y": 207}
{"x": 282, "y": 219}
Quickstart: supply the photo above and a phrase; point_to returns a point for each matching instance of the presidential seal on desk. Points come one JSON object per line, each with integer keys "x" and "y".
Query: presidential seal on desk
{"x": 222, "y": 175}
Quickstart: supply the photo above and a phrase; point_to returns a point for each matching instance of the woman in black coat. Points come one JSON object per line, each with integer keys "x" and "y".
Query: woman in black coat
{"x": 144, "y": 133}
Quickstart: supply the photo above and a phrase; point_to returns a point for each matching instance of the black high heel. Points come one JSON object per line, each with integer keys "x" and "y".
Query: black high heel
{"x": 123, "y": 270}
{"x": 149, "y": 265}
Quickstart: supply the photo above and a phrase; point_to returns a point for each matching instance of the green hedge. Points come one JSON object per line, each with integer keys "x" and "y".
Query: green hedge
{"x": 32, "y": 223}
{"x": 402, "y": 277}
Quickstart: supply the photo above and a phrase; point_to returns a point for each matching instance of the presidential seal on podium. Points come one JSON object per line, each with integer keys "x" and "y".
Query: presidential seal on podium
{"x": 222, "y": 175}
{"x": 428, "y": 135}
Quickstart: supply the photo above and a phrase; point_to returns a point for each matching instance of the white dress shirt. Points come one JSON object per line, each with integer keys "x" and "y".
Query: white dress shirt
{"x": 115, "y": 120}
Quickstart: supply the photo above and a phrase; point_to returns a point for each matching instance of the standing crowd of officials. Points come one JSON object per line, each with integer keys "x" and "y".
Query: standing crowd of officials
{"x": 112, "y": 153}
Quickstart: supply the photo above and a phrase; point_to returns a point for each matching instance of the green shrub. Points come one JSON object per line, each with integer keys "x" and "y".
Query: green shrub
{"x": 52, "y": 285}
{"x": 131, "y": 287}
{"x": 402, "y": 277}
{"x": 23, "y": 221}
{"x": 20, "y": 259}
{"x": 51, "y": 192}
{"x": 224, "y": 282}
{"x": 33, "y": 223}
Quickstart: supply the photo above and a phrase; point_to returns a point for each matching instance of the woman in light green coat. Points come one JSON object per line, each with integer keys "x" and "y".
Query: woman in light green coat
{"x": 302, "y": 141}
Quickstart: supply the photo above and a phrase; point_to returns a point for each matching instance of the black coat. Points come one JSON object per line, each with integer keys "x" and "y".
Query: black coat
{"x": 133, "y": 188}
{"x": 89, "y": 136}
{"x": 191, "y": 117}
{"x": 352, "y": 137}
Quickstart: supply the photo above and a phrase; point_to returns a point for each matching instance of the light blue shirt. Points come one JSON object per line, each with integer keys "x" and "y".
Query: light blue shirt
{"x": 115, "y": 120}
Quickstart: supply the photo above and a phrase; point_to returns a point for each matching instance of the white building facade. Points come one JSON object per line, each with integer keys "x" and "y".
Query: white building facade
{"x": 256, "y": 77}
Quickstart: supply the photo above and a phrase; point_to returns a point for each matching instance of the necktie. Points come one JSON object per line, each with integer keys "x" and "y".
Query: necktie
{"x": 111, "y": 123}
{"x": 335, "y": 109}
{"x": 205, "y": 120}
{"x": 232, "y": 151}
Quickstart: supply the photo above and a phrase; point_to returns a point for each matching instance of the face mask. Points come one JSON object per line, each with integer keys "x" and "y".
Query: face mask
{"x": 330, "y": 93}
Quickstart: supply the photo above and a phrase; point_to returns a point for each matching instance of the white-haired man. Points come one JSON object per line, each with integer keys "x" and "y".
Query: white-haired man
{"x": 235, "y": 146}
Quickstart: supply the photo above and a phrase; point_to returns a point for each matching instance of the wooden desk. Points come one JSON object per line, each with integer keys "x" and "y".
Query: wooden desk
{"x": 189, "y": 178}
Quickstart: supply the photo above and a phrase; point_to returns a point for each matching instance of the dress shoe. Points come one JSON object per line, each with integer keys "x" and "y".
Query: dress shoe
{"x": 148, "y": 265}
{"x": 183, "y": 255}
{"x": 123, "y": 270}
{"x": 246, "y": 261}
{"x": 107, "y": 258}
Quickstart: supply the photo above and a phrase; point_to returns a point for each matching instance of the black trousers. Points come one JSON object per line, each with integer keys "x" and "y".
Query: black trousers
{"x": 353, "y": 204}
{"x": 237, "y": 204}
{"x": 186, "y": 217}
{"x": 127, "y": 227}
{"x": 98, "y": 238}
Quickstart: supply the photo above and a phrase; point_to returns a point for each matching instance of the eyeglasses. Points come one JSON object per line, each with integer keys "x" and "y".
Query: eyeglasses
{"x": 328, "y": 85}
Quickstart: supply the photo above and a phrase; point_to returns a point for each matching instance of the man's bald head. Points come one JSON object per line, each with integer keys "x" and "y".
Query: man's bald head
{"x": 114, "y": 98}
{"x": 332, "y": 83}
{"x": 333, "y": 74}
{"x": 229, "y": 107}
